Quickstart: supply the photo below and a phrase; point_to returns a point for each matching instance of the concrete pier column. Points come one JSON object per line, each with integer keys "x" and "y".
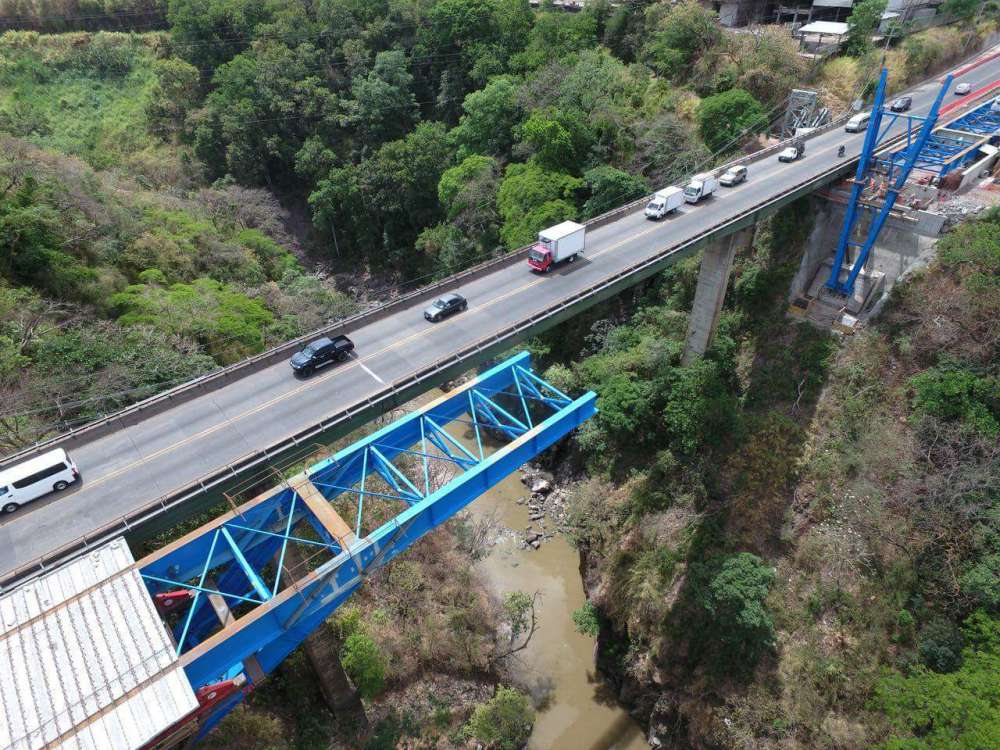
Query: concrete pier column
{"x": 713, "y": 277}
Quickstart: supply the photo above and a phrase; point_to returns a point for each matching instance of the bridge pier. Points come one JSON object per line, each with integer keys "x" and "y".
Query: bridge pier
{"x": 713, "y": 278}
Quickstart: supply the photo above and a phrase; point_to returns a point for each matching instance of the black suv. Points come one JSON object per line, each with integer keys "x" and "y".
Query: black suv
{"x": 321, "y": 352}
{"x": 444, "y": 306}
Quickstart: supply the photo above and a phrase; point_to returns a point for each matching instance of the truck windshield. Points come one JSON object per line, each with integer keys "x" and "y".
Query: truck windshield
{"x": 537, "y": 254}
{"x": 655, "y": 204}
{"x": 692, "y": 190}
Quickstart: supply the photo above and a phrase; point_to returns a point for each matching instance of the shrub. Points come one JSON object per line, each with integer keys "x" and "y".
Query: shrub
{"x": 586, "y": 620}
{"x": 731, "y": 592}
{"x": 364, "y": 664}
{"x": 940, "y": 645}
{"x": 953, "y": 392}
{"x": 725, "y": 118}
{"x": 504, "y": 722}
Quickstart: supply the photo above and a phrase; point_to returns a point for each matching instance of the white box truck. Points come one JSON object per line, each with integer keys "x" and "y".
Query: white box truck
{"x": 563, "y": 242}
{"x": 664, "y": 201}
{"x": 701, "y": 186}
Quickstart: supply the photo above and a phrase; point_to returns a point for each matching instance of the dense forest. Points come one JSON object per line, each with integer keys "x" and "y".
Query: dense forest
{"x": 791, "y": 543}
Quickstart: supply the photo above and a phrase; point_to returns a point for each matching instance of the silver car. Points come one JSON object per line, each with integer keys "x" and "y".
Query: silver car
{"x": 733, "y": 176}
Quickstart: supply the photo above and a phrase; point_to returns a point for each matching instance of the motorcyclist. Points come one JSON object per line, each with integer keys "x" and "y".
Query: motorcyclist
{"x": 840, "y": 151}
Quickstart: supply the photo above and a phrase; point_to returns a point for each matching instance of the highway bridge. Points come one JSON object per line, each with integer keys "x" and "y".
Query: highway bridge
{"x": 153, "y": 463}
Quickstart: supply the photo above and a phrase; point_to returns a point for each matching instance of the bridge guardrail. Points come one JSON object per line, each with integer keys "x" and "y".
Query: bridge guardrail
{"x": 216, "y": 379}
{"x": 388, "y": 395}
{"x": 124, "y": 523}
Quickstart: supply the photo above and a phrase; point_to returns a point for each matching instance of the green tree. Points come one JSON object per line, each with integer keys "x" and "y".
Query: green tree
{"x": 682, "y": 35}
{"x": 490, "y": 117}
{"x": 210, "y": 32}
{"x": 556, "y": 35}
{"x": 266, "y": 102}
{"x": 587, "y": 620}
{"x": 731, "y": 591}
{"x": 32, "y": 242}
{"x": 470, "y": 41}
{"x": 176, "y": 92}
{"x": 377, "y": 208}
{"x": 560, "y": 139}
{"x": 610, "y": 188}
{"x": 229, "y": 324}
{"x": 959, "y": 710}
{"x": 383, "y": 106}
{"x": 960, "y": 8}
{"x": 364, "y": 663}
{"x": 531, "y": 198}
{"x": 504, "y": 722}
{"x": 864, "y": 20}
{"x": 725, "y": 118}
{"x": 953, "y": 392}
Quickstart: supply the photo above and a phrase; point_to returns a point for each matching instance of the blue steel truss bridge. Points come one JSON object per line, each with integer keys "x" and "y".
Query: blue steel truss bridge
{"x": 210, "y": 615}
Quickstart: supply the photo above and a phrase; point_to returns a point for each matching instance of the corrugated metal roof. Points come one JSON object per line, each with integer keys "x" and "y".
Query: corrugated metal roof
{"x": 85, "y": 661}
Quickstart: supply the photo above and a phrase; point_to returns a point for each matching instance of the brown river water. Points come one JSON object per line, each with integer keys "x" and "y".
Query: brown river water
{"x": 581, "y": 713}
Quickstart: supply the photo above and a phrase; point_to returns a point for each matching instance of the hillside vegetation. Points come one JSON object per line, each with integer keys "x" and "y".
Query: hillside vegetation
{"x": 791, "y": 543}
{"x": 794, "y": 544}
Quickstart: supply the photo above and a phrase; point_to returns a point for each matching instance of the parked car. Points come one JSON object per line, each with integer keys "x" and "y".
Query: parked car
{"x": 902, "y": 104}
{"x": 858, "y": 122}
{"x": 733, "y": 176}
{"x": 320, "y": 353}
{"x": 50, "y": 472}
{"x": 444, "y": 306}
{"x": 793, "y": 152}
{"x": 963, "y": 88}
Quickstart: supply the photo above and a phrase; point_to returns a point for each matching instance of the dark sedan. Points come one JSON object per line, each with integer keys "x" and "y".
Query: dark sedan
{"x": 444, "y": 306}
{"x": 902, "y": 104}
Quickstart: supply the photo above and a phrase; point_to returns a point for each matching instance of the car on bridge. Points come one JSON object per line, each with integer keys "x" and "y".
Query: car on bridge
{"x": 858, "y": 123}
{"x": 963, "y": 88}
{"x": 320, "y": 353}
{"x": 793, "y": 152}
{"x": 445, "y": 306}
{"x": 733, "y": 176}
{"x": 50, "y": 472}
{"x": 902, "y": 104}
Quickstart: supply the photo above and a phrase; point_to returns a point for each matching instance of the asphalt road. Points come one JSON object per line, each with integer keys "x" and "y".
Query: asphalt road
{"x": 127, "y": 469}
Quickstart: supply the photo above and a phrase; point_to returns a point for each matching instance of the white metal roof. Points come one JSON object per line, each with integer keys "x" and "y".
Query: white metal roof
{"x": 85, "y": 662}
{"x": 824, "y": 27}
{"x": 561, "y": 230}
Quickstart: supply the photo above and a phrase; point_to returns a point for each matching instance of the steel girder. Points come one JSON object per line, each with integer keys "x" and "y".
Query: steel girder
{"x": 897, "y": 178}
{"x": 351, "y": 513}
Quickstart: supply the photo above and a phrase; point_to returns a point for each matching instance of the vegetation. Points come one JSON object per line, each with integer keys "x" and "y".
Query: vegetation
{"x": 504, "y": 722}
{"x": 808, "y": 534}
{"x": 802, "y": 536}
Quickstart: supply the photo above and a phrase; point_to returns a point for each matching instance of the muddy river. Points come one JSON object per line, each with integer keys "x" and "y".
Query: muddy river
{"x": 581, "y": 714}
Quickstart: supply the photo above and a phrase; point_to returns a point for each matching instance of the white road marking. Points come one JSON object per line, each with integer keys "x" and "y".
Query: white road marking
{"x": 365, "y": 368}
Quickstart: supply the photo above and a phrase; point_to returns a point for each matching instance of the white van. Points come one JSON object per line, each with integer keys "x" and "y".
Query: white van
{"x": 49, "y": 472}
{"x": 858, "y": 123}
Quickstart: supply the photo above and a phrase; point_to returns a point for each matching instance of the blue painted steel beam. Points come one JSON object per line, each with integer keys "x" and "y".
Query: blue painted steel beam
{"x": 871, "y": 135}
{"x": 893, "y": 192}
{"x": 899, "y": 165}
{"x": 256, "y": 537}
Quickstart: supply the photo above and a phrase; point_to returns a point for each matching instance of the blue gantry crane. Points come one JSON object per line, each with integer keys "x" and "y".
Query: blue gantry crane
{"x": 236, "y": 607}
{"x": 898, "y": 166}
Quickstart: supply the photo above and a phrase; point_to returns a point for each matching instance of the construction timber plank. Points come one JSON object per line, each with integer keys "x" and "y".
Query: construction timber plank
{"x": 324, "y": 512}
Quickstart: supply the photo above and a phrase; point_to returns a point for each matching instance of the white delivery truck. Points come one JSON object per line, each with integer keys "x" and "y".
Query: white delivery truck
{"x": 563, "y": 242}
{"x": 664, "y": 201}
{"x": 701, "y": 186}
